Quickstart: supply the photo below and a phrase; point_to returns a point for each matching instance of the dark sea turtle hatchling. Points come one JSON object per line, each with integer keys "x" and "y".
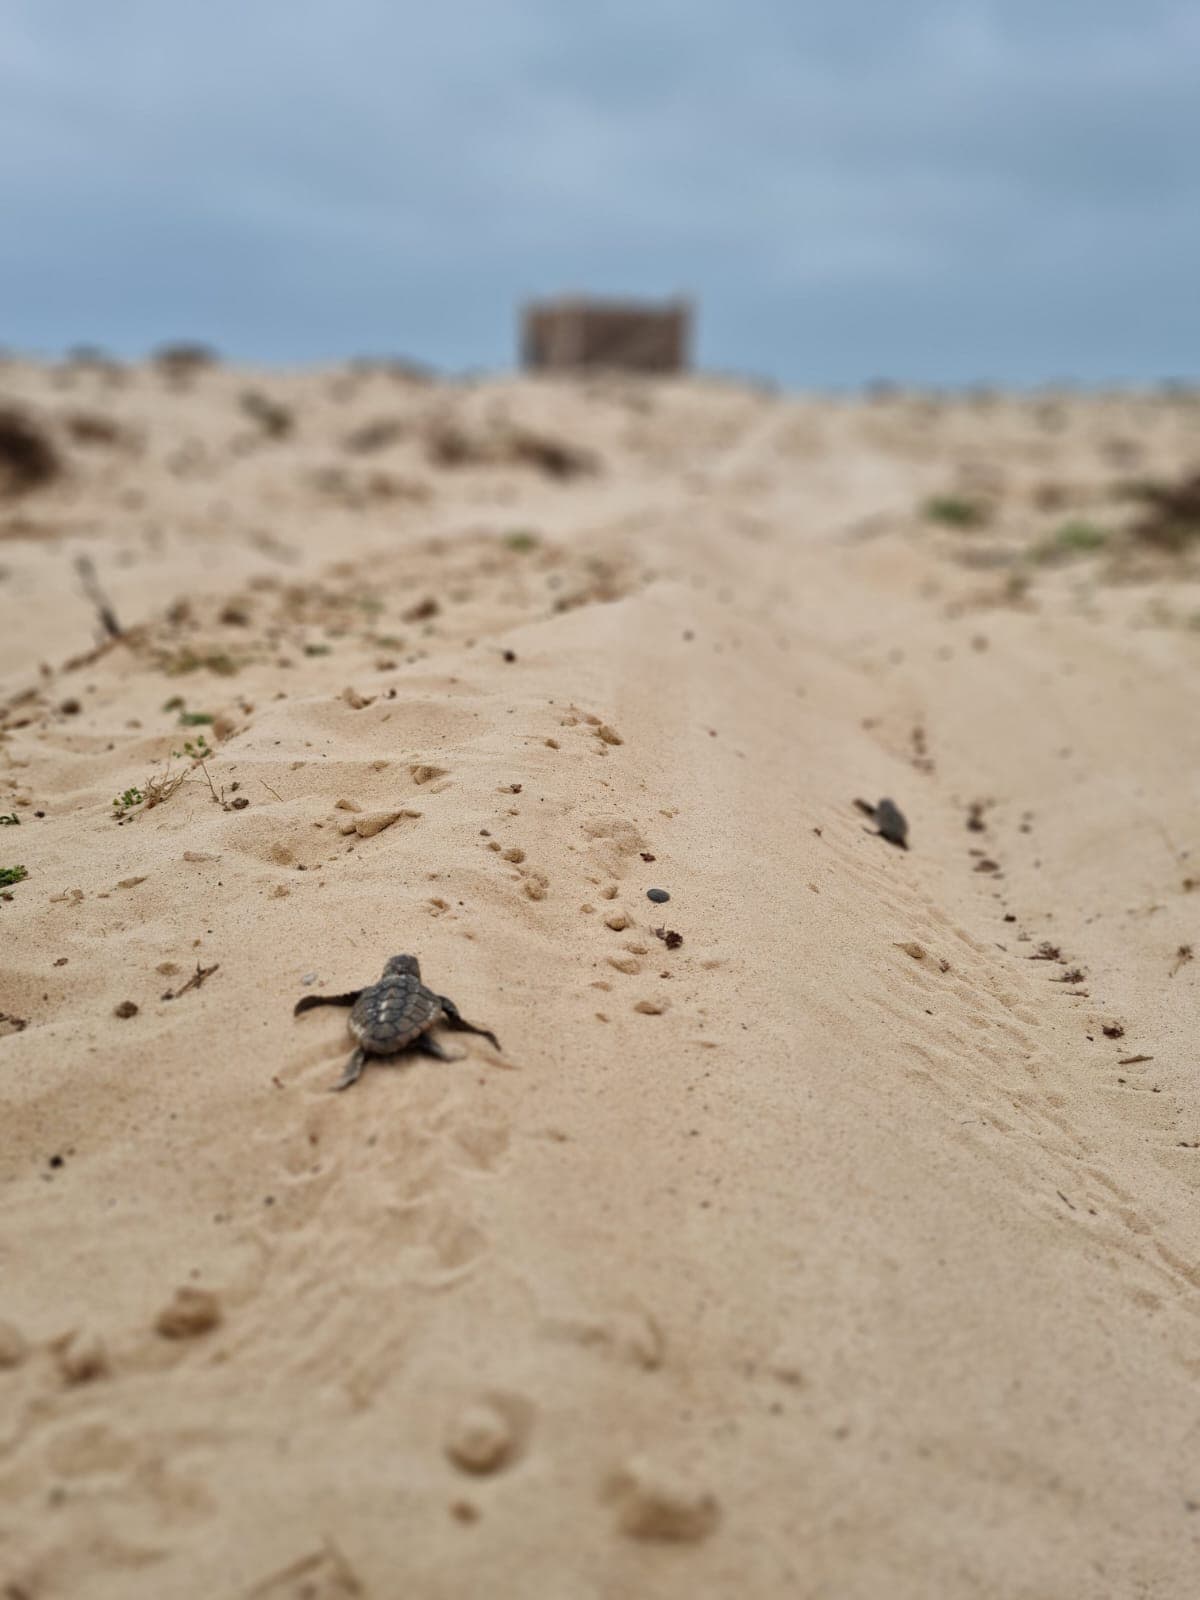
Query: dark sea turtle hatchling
{"x": 889, "y": 819}
{"x": 394, "y": 1014}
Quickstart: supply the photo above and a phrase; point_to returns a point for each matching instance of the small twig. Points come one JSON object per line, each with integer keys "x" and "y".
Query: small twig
{"x": 1063, "y": 1198}
{"x": 211, "y": 790}
{"x": 91, "y": 587}
{"x": 194, "y": 982}
{"x": 269, "y": 789}
{"x": 1132, "y": 1061}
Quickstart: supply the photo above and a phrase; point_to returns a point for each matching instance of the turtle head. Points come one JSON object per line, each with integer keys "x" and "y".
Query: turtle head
{"x": 399, "y": 966}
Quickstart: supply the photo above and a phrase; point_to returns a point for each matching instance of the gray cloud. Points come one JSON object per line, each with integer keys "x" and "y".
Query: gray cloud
{"x": 938, "y": 191}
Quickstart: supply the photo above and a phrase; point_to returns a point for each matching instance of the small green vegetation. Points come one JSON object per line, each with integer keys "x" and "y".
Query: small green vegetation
{"x": 175, "y": 703}
{"x": 195, "y": 719}
{"x": 186, "y": 660}
{"x": 12, "y": 820}
{"x": 318, "y": 649}
{"x": 127, "y": 801}
{"x": 956, "y": 511}
{"x": 522, "y": 540}
{"x": 198, "y": 749}
{"x": 1071, "y": 539}
{"x": 10, "y": 875}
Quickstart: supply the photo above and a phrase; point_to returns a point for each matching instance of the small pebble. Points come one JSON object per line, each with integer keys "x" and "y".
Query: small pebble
{"x": 480, "y": 1439}
{"x": 617, "y": 921}
{"x": 657, "y": 895}
{"x": 14, "y": 1347}
{"x": 190, "y": 1313}
{"x": 373, "y": 822}
{"x": 125, "y": 1009}
{"x": 82, "y": 1357}
{"x": 70, "y": 708}
{"x": 654, "y": 1503}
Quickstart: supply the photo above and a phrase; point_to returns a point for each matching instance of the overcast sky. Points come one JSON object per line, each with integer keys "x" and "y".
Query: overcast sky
{"x": 936, "y": 191}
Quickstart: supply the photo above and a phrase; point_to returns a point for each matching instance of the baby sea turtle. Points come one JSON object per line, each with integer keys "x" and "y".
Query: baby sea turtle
{"x": 889, "y": 819}
{"x": 392, "y": 1014}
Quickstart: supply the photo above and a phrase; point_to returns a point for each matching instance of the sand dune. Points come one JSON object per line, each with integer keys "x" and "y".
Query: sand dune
{"x": 829, "y": 1229}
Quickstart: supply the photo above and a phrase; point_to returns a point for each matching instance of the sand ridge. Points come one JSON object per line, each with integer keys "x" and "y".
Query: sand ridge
{"x": 843, "y": 1243}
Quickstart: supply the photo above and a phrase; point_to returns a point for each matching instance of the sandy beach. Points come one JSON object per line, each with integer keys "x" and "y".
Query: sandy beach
{"x": 827, "y": 1230}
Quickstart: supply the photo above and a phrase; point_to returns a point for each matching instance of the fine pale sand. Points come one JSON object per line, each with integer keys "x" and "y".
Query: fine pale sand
{"x": 845, "y": 1245}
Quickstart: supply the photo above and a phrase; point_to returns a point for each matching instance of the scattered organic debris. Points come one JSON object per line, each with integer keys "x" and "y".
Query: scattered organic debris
{"x": 1071, "y": 975}
{"x": 275, "y": 420}
{"x": 1133, "y": 1061}
{"x": 377, "y": 435}
{"x": 88, "y": 427}
{"x": 176, "y": 663}
{"x": 956, "y": 511}
{"x": 11, "y": 875}
{"x": 184, "y": 357}
{"x": 669, "y": 937}
{"x": 1046, "y": 952}
{"x": 1182, "y": 956}
{"x": 522, "y": 540}
{"x": 28, "y": 458}
{"x": 1172, "y": 518}
{"x": 551, "y": 456}
{"x": 11, "y": 1024}
{"x": 1076, "y": 537}
{"x": 101, "y": 602}
{"x": 197, "y": 978}
{"x": 1113, "y": 1030}
{"x": 452, "y": 446}
{"x": 975, "y": 811}
{"x": 12, "y": 820}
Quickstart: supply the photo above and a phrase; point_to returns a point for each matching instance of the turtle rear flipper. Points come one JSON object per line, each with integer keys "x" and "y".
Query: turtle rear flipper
{"x": 311, "y": 1000}
{"x": 353, "y": 1070}
{"x": 455, "y": 1019}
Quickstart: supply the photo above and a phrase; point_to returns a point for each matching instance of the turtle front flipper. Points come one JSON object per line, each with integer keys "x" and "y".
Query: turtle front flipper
{"x": 311, "y": 1000}
{"x": 454, "y": 1019}
{"x": 353, "y": 1070}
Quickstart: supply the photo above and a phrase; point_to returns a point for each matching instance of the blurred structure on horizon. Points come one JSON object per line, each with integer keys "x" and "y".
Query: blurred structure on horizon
{"x": 625, "y": 335}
